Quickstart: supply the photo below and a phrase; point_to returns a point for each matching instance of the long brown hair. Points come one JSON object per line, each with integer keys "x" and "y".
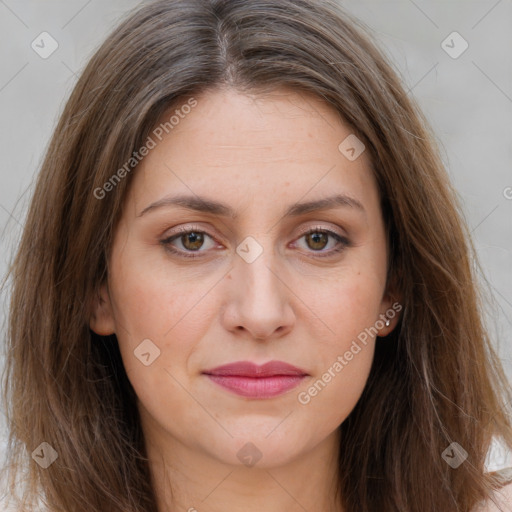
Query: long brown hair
{"x": 435, "y": 380}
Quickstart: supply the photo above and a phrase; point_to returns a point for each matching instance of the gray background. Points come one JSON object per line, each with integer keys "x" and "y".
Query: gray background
{"x": 468, "y": 101}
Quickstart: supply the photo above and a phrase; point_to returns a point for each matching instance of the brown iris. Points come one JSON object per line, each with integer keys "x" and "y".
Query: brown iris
{"x": 193, "y": 240}
{"x": 317, "y": 238}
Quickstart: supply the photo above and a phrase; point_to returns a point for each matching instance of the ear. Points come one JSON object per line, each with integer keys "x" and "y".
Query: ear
{"x": 390, "y": 309}
{"x": 102, "y": 317}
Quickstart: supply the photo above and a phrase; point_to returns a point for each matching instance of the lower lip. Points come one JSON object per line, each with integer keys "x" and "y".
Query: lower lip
{"x": 258, "y": 387}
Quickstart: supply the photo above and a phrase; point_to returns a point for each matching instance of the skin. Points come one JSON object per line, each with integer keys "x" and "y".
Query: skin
{"x": 258, "y": 155}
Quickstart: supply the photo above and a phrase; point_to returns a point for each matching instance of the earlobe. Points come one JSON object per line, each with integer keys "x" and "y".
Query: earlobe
{"x": 390, "y": 314}
{"x": 101, "y": 318}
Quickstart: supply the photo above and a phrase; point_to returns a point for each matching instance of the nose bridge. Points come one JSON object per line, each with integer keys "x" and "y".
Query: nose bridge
{"x": 255, "y": 267}
{"x": 260, "y": 299}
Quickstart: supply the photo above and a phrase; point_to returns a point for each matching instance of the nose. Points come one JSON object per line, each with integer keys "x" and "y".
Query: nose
{"x": 258, "y": 299}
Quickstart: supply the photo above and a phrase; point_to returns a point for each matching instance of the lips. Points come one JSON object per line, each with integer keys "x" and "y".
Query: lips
{"x": 247, "y": 379}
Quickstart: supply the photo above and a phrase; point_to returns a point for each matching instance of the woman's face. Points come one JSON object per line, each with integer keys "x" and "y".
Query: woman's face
{"x": 247, "y": 284}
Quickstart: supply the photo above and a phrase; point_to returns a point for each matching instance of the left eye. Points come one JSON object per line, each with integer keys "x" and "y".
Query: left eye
{"x": 317, "y": 239}
{"x": 193, "y": 240}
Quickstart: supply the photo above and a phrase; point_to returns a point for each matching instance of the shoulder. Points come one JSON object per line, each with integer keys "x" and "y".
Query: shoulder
{"x": 501, "y": 501}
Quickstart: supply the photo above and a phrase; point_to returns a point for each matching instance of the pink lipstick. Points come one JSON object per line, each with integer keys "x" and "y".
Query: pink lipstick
{"x": 253, "y": 381}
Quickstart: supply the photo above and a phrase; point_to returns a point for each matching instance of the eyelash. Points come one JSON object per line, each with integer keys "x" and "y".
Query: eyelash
{"x": 342, "y": 241}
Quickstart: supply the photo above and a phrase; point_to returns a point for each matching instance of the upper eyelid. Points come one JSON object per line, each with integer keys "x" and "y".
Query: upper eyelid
{"x": 321, "y": 228}
{"x": 180, "y": 230}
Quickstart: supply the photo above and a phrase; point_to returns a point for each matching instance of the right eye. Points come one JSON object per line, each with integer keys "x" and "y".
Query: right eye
{"x": 191, "y": 239}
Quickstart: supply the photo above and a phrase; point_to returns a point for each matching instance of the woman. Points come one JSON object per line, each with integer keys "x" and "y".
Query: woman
{"x": 258, "y": 290}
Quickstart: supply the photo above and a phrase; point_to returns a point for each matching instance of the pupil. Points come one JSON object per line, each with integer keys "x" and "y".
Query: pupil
{"x": 194, "y": 239}
{"x": 316, "y": 239}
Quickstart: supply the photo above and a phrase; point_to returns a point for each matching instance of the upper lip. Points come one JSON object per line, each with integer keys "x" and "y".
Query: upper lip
{"x": 249, "y": 369}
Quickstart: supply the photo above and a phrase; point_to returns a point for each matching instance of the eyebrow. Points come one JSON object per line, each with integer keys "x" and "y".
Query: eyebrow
{"x": 205, "y": 205}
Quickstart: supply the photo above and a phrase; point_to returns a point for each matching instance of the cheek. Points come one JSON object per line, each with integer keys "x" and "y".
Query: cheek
{"x": 157, "y": 329}
{"x": 347, "y": 303}
{"x": 344, "y": 366}
{"x": 151, "y": 301}
{"x": 150, "y": 308}
{"x": 350, "y": 307}
{"x": 335, "y": 392}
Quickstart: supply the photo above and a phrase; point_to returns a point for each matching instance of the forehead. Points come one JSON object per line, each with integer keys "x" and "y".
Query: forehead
{"x": 275, "y": 146}
{"x": 272, "y": 124}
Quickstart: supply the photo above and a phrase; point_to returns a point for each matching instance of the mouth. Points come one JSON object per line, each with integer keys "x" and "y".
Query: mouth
{"x": 250, "y": 380}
